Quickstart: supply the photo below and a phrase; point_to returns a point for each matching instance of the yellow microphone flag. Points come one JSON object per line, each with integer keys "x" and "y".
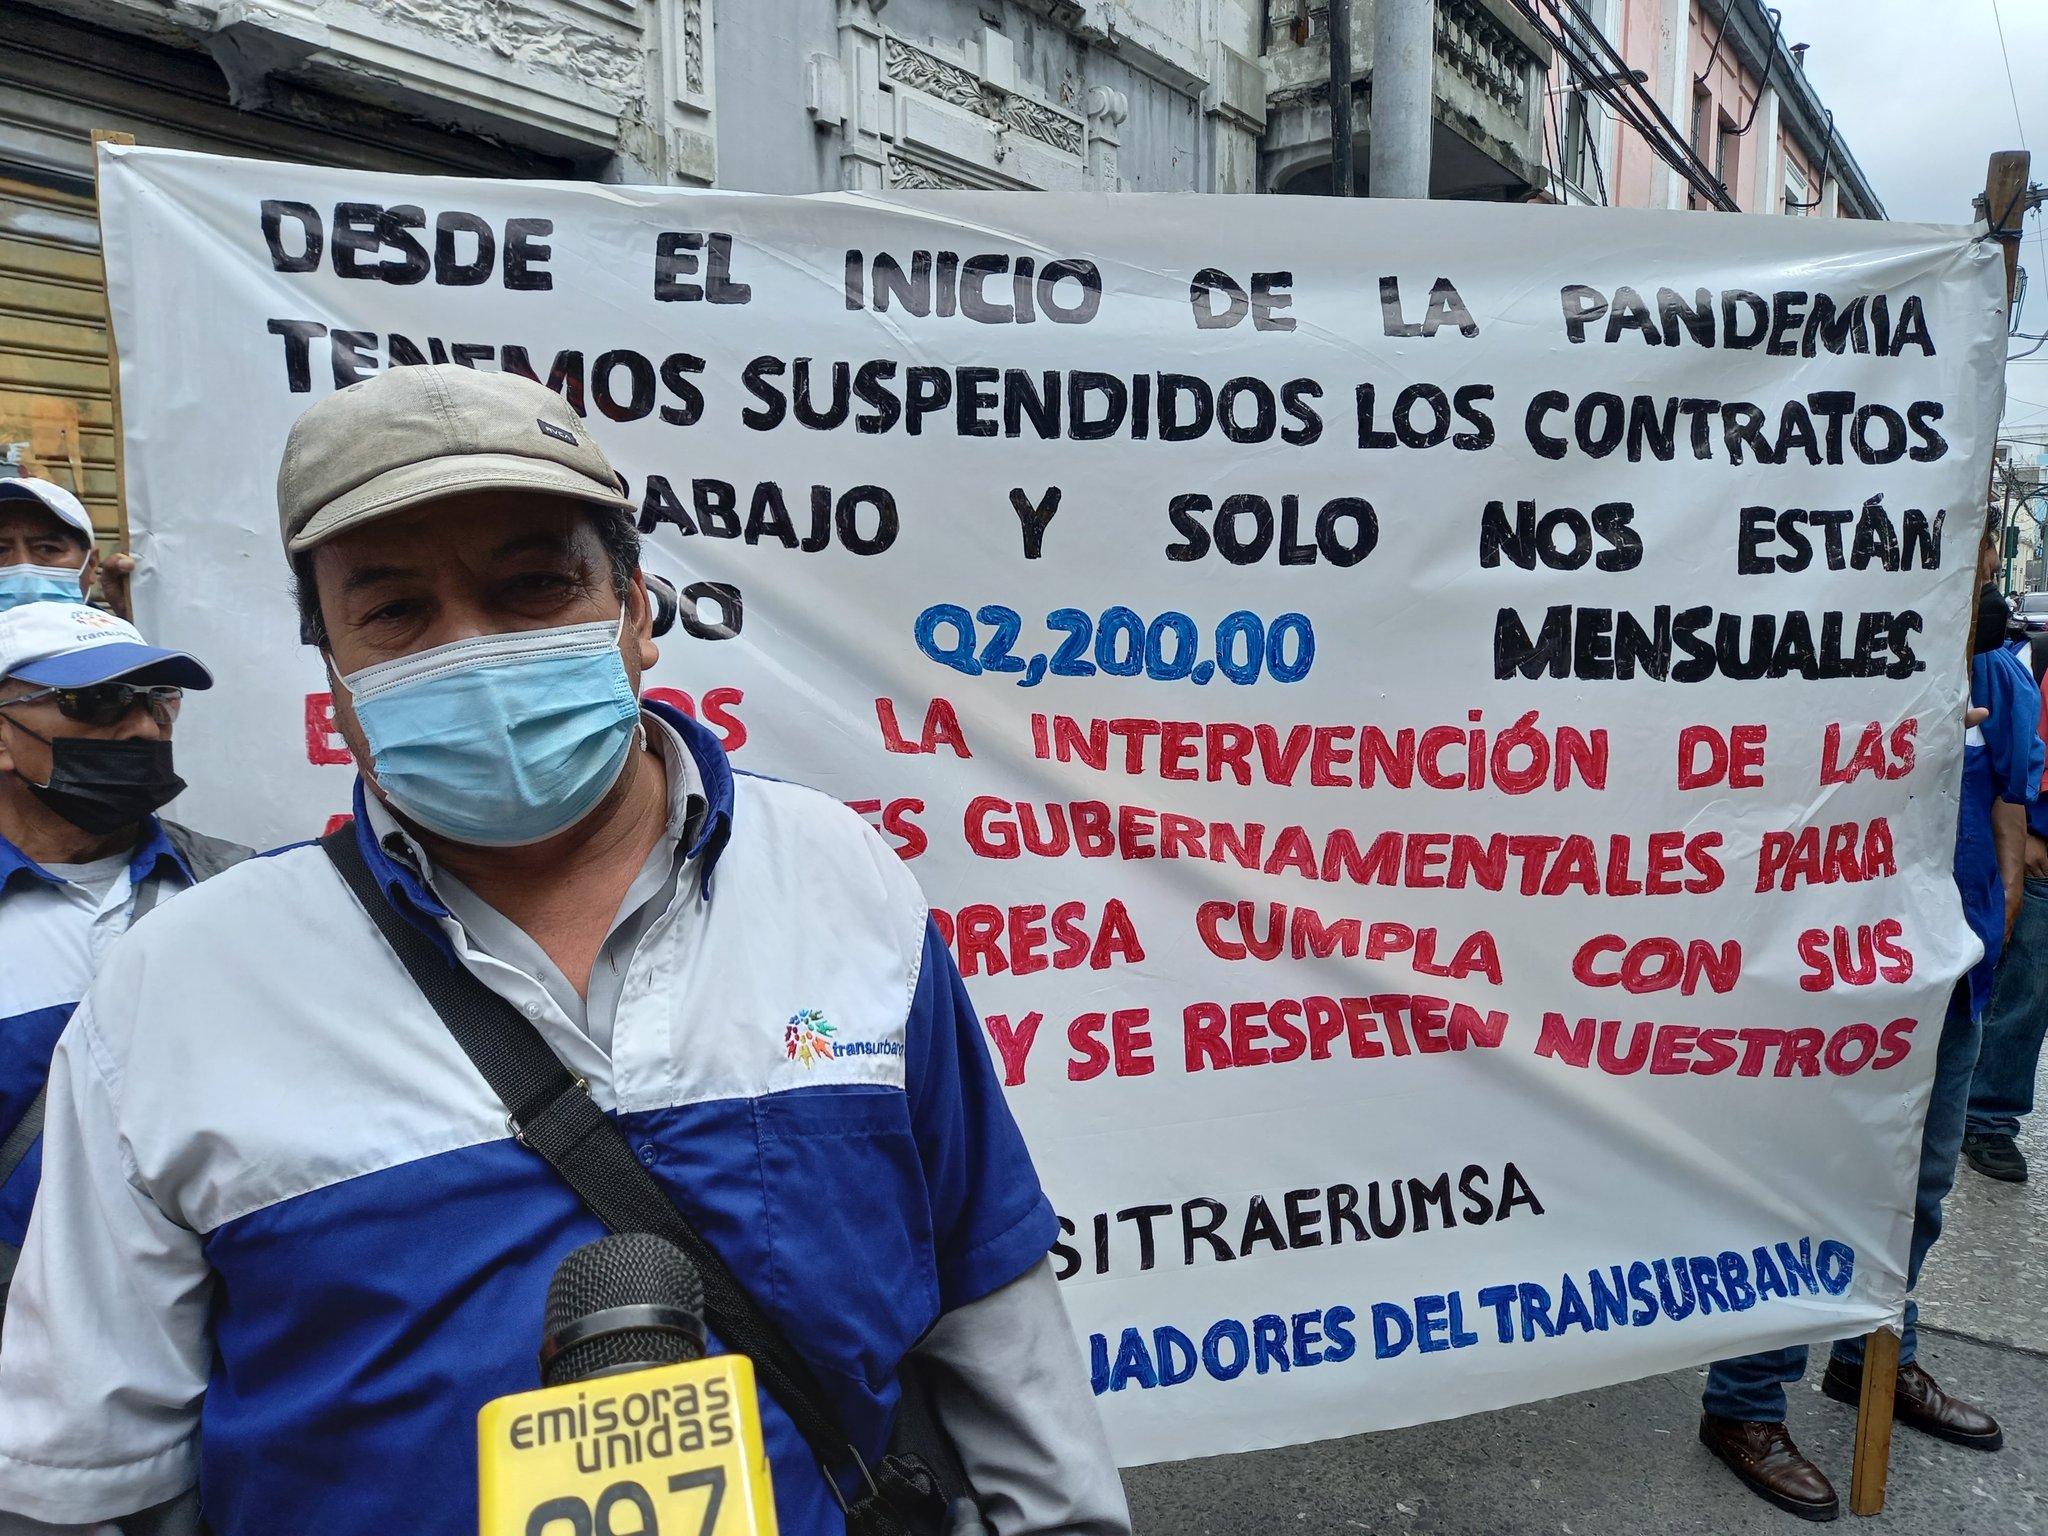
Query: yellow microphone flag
{"x": 672, "y": 1451}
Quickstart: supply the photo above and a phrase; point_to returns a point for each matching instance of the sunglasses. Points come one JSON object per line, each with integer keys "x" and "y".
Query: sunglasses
{"x": 109, "y": 703}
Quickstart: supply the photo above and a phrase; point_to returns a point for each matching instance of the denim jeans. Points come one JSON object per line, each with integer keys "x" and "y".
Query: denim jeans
{"x": 2003, "y": 1089}
{"x": 1753, "y": 1386}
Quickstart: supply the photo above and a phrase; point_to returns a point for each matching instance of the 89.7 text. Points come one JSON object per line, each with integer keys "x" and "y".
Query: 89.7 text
{"x": 1119, "y": 643}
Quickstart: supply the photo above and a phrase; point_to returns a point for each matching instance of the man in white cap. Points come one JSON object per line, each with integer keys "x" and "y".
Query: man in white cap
{"x": 295, "y": 1231}
{"x": 47, "y": 552}
{"x": 86, "y": 710}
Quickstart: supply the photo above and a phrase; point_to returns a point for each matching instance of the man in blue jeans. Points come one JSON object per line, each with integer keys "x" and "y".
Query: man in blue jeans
{"x": 2002, "y": 1091}
{"x": 1744, "y": 1418}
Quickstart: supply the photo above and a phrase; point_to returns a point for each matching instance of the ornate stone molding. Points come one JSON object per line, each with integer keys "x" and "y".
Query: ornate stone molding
{"x": 1485, "y": 53}
{"x": 693, "y": 47}
{"x": 1107, "y": 110}
{"x": 908, "y": 65}
{"x": 931, "y": 74}
{"x": 910, "y": 176}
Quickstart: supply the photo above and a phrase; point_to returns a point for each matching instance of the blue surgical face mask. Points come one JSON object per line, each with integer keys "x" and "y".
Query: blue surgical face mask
{"x": 501, "y": 740}
{"x": 37, "y": 584}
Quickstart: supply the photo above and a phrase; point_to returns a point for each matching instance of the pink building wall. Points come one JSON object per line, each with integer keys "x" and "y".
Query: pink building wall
{"x": 1726, "y": 101}
{"x": 1640, "y": 30}
{"x": 1639, "y": 37}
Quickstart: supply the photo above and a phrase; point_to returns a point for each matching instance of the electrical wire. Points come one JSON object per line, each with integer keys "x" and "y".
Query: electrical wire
{"x": 1999, "y": 21}
{"x": 1578, "y": 63}
{"x": 1593, "y": 153}
{"x": 1764, "y": 84}
{"x": 1553, "y": 133}
{"x": 1622, "y": 72}
{"x": 1617, "y": 86}
{"x": 2019, "y": 123}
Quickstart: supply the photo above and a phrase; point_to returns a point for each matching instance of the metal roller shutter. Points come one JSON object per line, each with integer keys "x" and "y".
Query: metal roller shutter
{"x": 56, "y": 396}
{"x": 61, "y": 79}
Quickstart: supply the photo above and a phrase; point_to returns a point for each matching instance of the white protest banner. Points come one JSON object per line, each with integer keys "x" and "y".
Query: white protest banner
{"x": 1432, "y": 728}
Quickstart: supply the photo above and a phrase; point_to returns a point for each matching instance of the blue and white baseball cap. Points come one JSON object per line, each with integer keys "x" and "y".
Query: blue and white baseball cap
{"x": 52, "y": 498}
{"x": 74, "y": 645}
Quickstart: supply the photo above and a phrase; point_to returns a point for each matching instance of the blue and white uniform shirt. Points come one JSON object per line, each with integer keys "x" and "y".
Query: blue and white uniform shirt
{"x": 53, "y": 936}
{"x": 287, "y": 1246}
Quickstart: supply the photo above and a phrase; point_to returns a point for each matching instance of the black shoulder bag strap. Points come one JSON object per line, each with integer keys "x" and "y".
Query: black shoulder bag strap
{"x": 13, "y": 1149}
{"x": 553, "y": 1114}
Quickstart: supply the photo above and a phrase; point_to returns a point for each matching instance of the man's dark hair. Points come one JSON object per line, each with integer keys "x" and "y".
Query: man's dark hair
{"x": 72, "y": 535}
{"x": 615, "y": 529}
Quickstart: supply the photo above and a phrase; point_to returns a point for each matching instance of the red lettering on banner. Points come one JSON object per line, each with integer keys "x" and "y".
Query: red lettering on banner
{"x": 1736, "y": 759}
{"x": 1230, "y": 751}
{"x": 1835, "y": 958}
{"x": 1091, "y": 1056}
{"x": 324, "y": 746}
{"x": 991, "y": 940}
{"x": 1013, "y": 1042}
{"x": 1789, "y": 859}
{"x": 896, "y": 822}
{"x": 1620, "y": 1050}
{"x": 1239, "y": 931}
{"x": 717, "y": 712}
{"x": 1658, "y": 964}
{"x": 1132, "y": 1041}
{"x": 1536, "y": 863}
{"x": 1523, "y": 757}
{"x": 337, "y": 821}
{"x": 941, "y": 729}
{"x": 1887, "y": 757}
{"x": 1135, "y": 733}
{"x": 1273, "y": 1032}
{"x": 1179, "y": 740}
{"x": 1129, "y": 1049}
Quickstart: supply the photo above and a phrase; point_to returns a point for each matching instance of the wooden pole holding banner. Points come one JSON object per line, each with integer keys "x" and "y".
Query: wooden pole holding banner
{"x": 2005, "y": 204}
{"x": 115, "y": 590}
{"x": 1873, "y": 1458}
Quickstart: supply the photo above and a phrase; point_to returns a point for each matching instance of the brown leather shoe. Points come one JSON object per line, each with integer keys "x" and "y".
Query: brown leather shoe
{"x": 1766, "y": 1461}
{"x": 1920, "y": 1403}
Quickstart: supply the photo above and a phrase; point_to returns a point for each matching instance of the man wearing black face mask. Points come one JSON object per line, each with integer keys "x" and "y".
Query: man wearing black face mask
{"x": 85, "y": 760}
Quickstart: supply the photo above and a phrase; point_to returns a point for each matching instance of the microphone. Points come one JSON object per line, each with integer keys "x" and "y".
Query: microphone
{"x": 630, "y": 1410}
{"x": 629, "y": 1302}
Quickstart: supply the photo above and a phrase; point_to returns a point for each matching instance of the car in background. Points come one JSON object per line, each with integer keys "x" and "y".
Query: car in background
{"x": 2031, "y": 613}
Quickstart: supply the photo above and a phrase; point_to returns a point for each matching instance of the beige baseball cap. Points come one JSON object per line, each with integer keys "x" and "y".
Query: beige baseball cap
{"x": 419, "y": 433}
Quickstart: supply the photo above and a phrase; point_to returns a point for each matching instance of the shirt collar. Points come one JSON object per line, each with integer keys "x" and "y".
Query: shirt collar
{"x": 155, "y": 851}
{"x": 697, "y": 768}
{"x": 714, "y": 783}
{"x": 151, "y": 855}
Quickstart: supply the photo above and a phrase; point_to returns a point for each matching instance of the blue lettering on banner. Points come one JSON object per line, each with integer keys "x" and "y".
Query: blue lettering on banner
{"x": 843, "y": 1048}
{"x": 1167, "y": 649}
{"x": 1634, "y": 1295}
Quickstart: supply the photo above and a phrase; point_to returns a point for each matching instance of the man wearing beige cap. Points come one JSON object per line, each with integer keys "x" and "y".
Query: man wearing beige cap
{"x": 295, "y": 1229}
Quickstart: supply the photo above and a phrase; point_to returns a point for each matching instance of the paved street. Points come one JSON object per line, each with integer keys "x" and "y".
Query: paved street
{"x": 1624, "y": 1462}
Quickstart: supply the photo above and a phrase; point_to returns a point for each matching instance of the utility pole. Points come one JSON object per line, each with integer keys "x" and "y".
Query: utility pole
{"x": 1403, "y": 64}
{"x": 1342, "y": 183}
{"x": 2008, "y": 531}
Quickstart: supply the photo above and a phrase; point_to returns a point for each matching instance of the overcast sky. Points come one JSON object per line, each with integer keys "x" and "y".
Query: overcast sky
{"x": 1919, "y": 93}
